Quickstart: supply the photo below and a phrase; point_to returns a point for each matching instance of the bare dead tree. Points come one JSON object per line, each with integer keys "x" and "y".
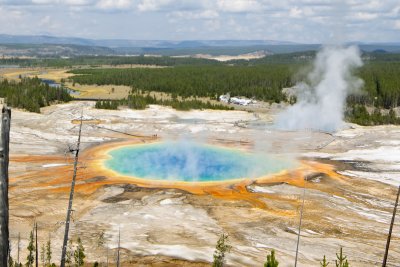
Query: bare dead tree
{"x": 71, "y": 196}
{"x": 36, "y": 247}
{"x": 301, "y": 218}
{"x": 119, "y": 245}
{"x": 390, "y": 229}
{"x": 107, "y": 255}
{"x": 4, "y": 159}
{"x": 19, "y": 247}
{"x": 9, "y": 254}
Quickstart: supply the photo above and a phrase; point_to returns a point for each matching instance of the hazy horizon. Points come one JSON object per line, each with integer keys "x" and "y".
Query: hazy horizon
{"x": 397, "y": 42}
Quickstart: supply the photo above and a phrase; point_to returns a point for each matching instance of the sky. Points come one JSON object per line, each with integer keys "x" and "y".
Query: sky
{"x": 302, "y": 21}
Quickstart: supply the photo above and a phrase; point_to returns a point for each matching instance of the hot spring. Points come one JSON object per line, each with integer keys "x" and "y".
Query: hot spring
{"x": 192, "y": 162}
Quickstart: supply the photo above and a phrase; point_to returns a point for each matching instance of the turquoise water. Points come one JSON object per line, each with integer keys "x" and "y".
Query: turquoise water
{"x": 182, "y": 161}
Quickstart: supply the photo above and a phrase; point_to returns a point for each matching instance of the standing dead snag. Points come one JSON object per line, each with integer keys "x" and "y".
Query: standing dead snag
{"x": 4, "y": 158}
{"x": 391, "y": 229}
{"x": 119, "y": 246}
{"x": 19, "y": 246}
{"x": 301, "y": 218}
{"x": 36, "y": 247}
{"x": 71, "y": 197}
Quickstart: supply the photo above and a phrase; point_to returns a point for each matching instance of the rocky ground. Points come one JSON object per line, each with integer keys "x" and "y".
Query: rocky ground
{"x": 351, "y": 178}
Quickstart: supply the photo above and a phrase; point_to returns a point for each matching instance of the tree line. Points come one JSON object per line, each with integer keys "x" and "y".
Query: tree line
{"x": 137, "y": 101}
{"x": 381, "y": 84}
{"x": 31, "y": 94}
{"x": 359, "y": 114}
{"x": 261, "y": 82}
{"x": 107, "y": 60}
{"x": 284, "y": 56}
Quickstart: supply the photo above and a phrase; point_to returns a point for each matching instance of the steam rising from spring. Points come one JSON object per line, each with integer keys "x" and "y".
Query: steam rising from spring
{"x": 190, "y": 161}
{"x": 321, "y": 99}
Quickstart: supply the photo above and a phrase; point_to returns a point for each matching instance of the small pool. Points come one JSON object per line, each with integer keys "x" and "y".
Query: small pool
{"x": 54, "y": 84}
{"x": 192, "y": 162}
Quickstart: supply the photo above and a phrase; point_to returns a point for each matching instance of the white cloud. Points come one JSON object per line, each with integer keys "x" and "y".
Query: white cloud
{"x": 45, "y": 21}
{"x": 295, "y": 12}
{"x": 277, "y": 19}
{"x": 364, "y": 16}
{"x": 205, "y": 14}
{"x": 368, "y": 5}
{"x": 44, "y": 2}
{"x": 172, "y": 5}
{"x": 11, "y": 14}
{"x": 47, "y": 2}
{"x": 78, "y": 2}
{"x": 213, "y": 25}
{"x": 48, "y": 23}
{"x": 397, "y": 24}
{"x": 13, "y": 19}
{"x": 114, "y": 4}
{"x": 153, "y": 5}
{"x": 239, "y": 6}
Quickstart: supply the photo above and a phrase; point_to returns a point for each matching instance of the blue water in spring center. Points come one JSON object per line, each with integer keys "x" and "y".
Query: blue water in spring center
{"x": 192, "y": 162}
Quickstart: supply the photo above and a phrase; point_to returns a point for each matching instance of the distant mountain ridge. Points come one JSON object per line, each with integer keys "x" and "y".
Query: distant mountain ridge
{"x": 51, "y": 46}
{"x": 112, "y": 43}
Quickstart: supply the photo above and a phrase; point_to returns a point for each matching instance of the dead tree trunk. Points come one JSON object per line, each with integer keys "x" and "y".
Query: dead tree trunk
{"x": 107, "y": 255}
{"x": 301, "y": 218}
{"x": 71, "y": 198}
{"x": 390, "y": 230}
{"x": 19, "y": 246}
{"x": 36, "y": 246}
{"x": 119, "y": 245}
{"x": 4, "y": 150}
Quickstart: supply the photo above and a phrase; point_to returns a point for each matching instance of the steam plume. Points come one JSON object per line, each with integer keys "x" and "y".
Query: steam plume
{"x": 321, "y": 99}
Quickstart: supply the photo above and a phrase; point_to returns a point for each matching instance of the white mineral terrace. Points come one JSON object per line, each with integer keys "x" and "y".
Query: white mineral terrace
{"x": 176, "y": 225}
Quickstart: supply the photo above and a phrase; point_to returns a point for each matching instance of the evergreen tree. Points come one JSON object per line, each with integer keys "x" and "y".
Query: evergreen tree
{"x": 70, "y": 254}
{"x": 220, "y": 250}
{"x": 43, "y": 254}
{"x": 271, "y": 261}
{"x": 31, "y": 248}
{"x": 31, "y": 94}
{"x": 48, "y": 252}
{"x": 11, "y": 262}
{"x": 341, "y": 259}
{"x": 324, "y": 263}
{"x": 79, "y": 254}
{"x": 100, "y": 241}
